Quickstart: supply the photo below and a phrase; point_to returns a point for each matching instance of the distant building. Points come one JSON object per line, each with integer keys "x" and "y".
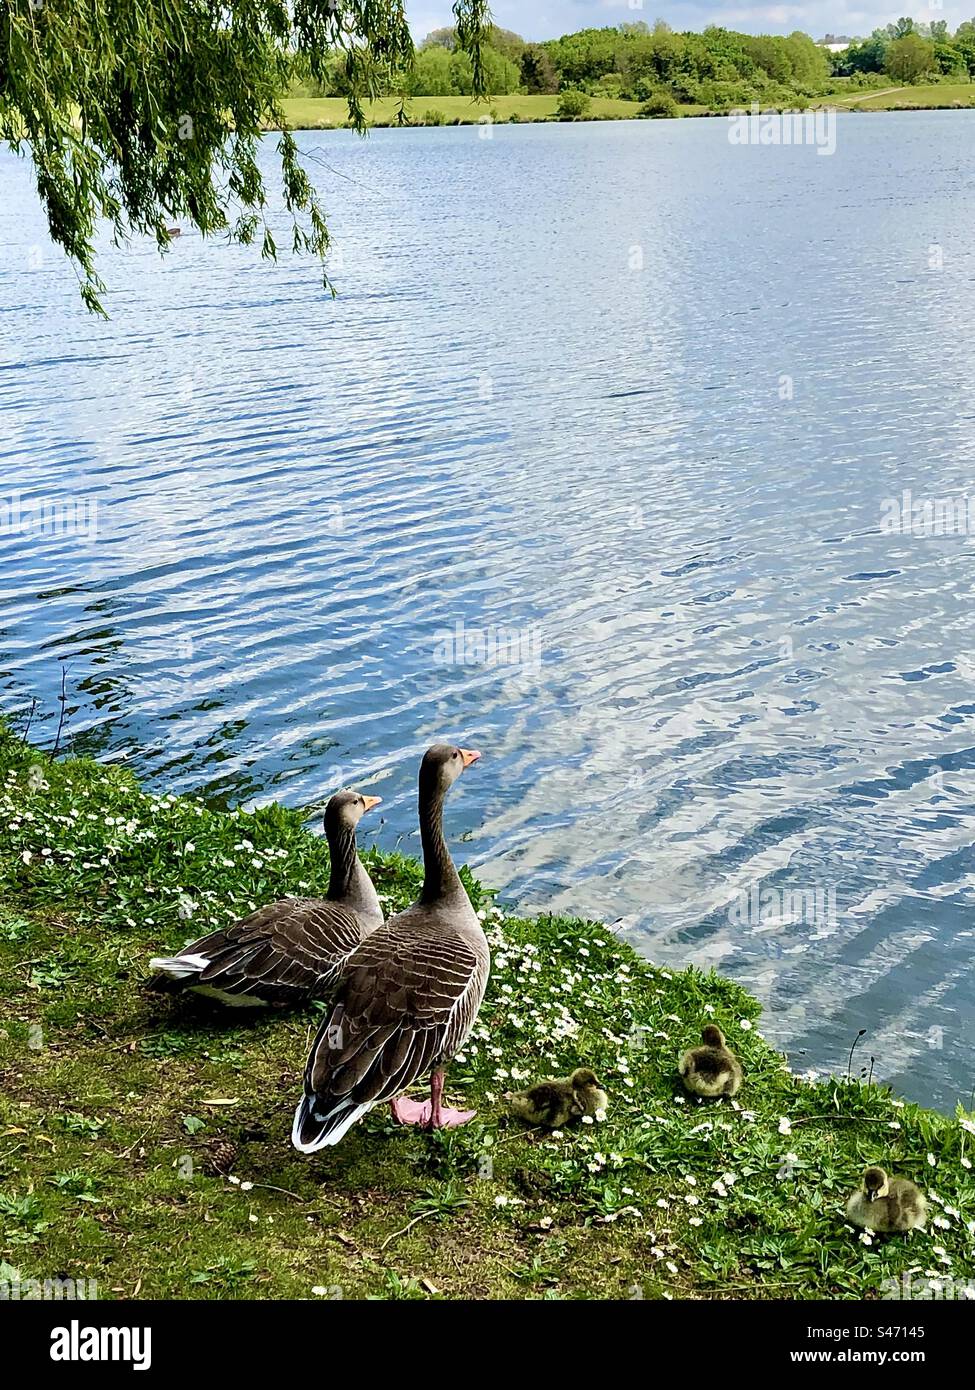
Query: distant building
{"x": 836, "y": 43}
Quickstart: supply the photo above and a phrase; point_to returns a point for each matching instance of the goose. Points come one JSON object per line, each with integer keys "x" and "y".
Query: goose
{"x": 711, "y": 1070}
{"x": 554, "y": 1103}
{"x": 409, "y": 993}
{"x": 289, "y": 951}
{"x": 886, "y": 1204}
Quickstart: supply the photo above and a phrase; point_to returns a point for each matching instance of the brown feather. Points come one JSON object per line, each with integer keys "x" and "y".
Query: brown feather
{"x": 285, "y": 952}
{"x": 407, "y": 1000}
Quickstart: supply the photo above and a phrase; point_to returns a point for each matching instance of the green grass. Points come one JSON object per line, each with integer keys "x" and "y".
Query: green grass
{"x": 316, "y": 113}
{"x": 323, "y": 113}
{"x": 119, "y": 1109}
{"x": 920, "y": 98}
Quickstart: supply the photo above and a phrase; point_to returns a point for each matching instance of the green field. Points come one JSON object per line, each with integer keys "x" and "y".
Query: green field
{"x": 144, "y": 1142}
{"x": 921, "y": 97}
{"x": 325, "y": 113}
{"x": 322, "y": 113}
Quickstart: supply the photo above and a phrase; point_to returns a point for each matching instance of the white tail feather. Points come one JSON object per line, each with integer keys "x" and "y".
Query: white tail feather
{"x": 179, "y": 967}
{"x": 332, "y": 1136}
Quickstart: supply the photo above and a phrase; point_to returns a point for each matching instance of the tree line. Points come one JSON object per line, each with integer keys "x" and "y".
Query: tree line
{"x": 718, "y": 68}
{"x": 909, "y": 51}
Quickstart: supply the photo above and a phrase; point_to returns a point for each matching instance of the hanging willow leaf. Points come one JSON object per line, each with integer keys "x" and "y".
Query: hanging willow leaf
{"x": 142, "y": 112}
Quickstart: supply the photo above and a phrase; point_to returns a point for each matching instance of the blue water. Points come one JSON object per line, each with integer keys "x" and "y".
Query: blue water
{"x": 635, "y": 395}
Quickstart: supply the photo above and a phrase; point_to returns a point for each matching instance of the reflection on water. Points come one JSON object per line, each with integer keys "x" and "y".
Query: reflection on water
{"x": 586, "y": 466}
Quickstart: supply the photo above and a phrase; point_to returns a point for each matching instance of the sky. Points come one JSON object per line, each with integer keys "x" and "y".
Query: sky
{"x": 547, "y": 19}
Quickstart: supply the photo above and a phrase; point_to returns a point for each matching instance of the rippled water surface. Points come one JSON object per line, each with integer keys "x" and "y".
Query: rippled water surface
{"x": 627, "y": 392}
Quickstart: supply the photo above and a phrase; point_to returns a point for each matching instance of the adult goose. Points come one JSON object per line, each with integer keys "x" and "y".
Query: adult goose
{"x": 409, "y": 994}
{"x": 292, "y": 950}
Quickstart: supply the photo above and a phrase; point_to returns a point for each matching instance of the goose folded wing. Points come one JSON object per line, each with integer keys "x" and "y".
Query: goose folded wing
{"x": 288, "y": 947}
{"x": 407, "y": 1002}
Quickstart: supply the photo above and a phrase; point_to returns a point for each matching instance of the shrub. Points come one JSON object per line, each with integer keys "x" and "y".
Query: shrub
{"x": 659, "y": 106}
{"x": 609, "y": 85}
{"x": 573, "y": 105}
{"x": 434, "y": 117}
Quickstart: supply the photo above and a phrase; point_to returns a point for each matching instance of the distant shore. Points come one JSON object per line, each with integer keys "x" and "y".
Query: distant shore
{"x": 330, "y": 113}
{"x": 326, "y": 113}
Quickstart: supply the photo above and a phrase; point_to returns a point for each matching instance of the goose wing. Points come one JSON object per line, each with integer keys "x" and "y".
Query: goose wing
{"x": 285, "y": 952}
{"x": 408, "y": 1000}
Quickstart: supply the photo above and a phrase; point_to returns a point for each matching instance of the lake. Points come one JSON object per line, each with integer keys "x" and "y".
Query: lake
{"x": 597, "y": 463}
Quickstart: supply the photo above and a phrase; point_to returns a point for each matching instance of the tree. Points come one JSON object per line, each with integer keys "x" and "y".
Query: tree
{"x": 537, "y": 70}
{"x": 145, "y": 111}
{"x": 585, "y": 56}
{"x": 909, "y": 58}
{"x": 948, "y": 58}
{"x": 869, "y": 56}
{"x": 500, "y": 77}
{"x": 441, "y": 38}
{"x": 810, "y": 64}
{"x": 965, "y": 47}
{"x": 431, "y": 73}
{"x": 504, "y": 41}
{"x": 901, "y": 29}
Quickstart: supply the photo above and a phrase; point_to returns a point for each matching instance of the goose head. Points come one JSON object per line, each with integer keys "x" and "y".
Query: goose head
{"x": 712, "y": 1036}
{"x": 441, "y": 766}
{"x": 875, "y": 1183}
{"x": 582, "y": 1079}
{"x": 345, "y": 810}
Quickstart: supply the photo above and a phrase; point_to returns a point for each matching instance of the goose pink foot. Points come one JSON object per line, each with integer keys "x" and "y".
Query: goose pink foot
{"x": 430, "y": 1114}
{"x": 414, "y": 1112}
{"x": 444, "y": 1116}
{"x": 448, "y": 1118}
{"x": 410, "y": 1112}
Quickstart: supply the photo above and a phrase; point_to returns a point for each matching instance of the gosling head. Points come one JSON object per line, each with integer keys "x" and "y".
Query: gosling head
{"x": 345, "y": 810}
{"x": 582, "y": 1078}
{"x": 875, "y": 1183}
{"x": 712, "y": 1036}
{"x": 441, "y": 766}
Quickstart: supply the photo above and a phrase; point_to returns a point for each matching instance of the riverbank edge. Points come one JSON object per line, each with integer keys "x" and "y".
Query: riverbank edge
{"x": 147, "y": 1142}
{"x": 481, "y": 113}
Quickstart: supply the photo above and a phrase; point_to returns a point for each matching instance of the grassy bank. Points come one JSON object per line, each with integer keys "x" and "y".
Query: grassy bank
{"x": 326, "y": 113}
{"x": 322, "y": 113}
{"x": 144, "y": 1143}
{"x": 924, "y": 97}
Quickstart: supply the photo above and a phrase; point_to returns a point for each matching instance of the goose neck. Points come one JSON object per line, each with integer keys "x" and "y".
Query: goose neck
{"x": 440, "y": 878}
{"x": 343, "y": 862}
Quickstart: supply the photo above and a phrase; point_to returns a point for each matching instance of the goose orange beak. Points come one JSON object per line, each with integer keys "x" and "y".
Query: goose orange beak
{"x": 371, "y": 801}
{"x": 470, "y": 755}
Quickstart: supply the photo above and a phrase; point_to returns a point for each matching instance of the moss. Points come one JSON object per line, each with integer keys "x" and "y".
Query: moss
{"x": 144, "y": 1141}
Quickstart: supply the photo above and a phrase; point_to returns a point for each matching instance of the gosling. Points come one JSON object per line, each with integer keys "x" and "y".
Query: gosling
{"x": 711, "y": 1070}
{"x": 554, "y": 1103}
{"x": 886, "y": 1204}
